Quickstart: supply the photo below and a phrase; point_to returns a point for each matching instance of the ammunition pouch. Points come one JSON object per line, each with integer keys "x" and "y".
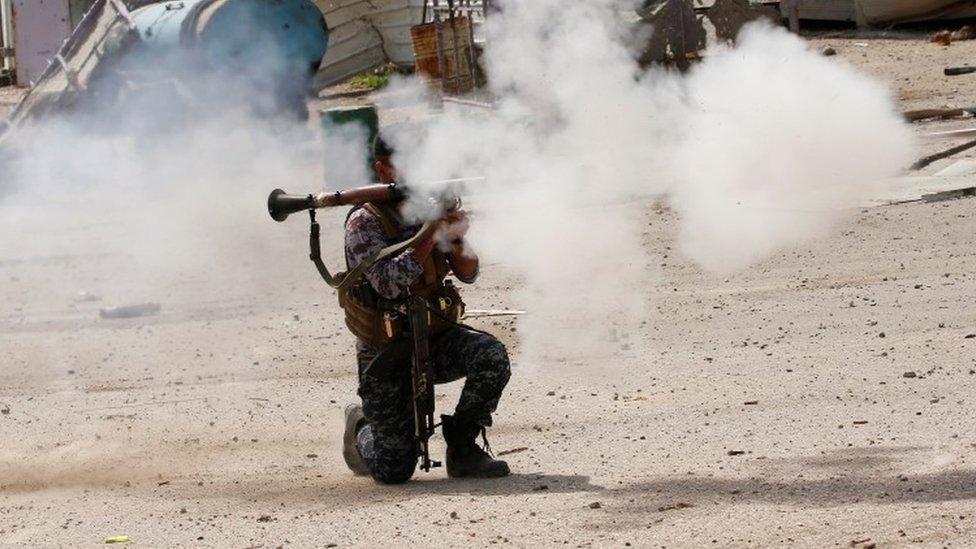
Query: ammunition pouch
{"x": 379, "y": 321}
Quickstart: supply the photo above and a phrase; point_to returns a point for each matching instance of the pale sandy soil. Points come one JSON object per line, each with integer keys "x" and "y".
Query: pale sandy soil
{"x": 216, "y": 423}
{"x": 9, "y": 96}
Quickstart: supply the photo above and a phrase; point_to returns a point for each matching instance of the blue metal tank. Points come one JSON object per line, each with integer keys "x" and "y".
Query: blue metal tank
{"x": 260, "y": 52}
{"x": 231, "y": 32}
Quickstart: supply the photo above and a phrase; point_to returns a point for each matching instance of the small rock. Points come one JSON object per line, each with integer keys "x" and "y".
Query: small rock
{"x": 736, "y": 452}
{"x": 942, "y": 37}
{"x": 965, "y": 33}
{"x": 130, "y": 311}
{"x": 454, "y": 514}
{"x": 264, "y": 518}
{"x": 595, "y": 505}
{"x": 909, "y": 374}
{"x": 86, "y": 297}
{"x": 828, "y": 52}
{"x": 970, "y": 336}
{"x": 672, "y": 507}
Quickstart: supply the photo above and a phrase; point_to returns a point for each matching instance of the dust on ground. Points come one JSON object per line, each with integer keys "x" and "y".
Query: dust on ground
{"x": 823, "y": 397}
{"x": 9, "y": 97}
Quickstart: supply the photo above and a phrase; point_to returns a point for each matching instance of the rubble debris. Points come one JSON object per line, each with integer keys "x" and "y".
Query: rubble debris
{"x": 943, "y": 38}
{"x": 677, "y": 32}
{"x": 513, "y": 451}
{"x": 105, "y": 31}
{"x": 728, "y": 17}
{"x": 925, "y": 161}
{"x": 482, "y": 313}
{"x": 85, "y": 296}
{"x": 946, "y": 37}
{"x": 117, "y": 539}
{"x": 675, "y": 506}
{"x": 130, "y": 311}
{"x": 965, "y": 33}
{"x": 927, "y": 114}
{"x": 956, "y": 71}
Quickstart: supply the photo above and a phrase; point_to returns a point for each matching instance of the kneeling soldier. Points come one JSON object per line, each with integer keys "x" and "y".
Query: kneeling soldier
{"x": 379, "y": 436}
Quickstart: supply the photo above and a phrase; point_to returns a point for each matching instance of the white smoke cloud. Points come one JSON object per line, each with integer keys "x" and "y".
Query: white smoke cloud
{"x": 163, "y": 172}
{"x": 759, "y": 148}
{"x": 779, "y": 141}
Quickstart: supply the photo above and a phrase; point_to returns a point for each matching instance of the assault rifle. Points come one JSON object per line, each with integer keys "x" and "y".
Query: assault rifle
{"x": 423, "y": 379}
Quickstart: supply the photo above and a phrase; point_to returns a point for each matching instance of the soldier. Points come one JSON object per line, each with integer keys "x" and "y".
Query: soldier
{"x": 379, "y": 435}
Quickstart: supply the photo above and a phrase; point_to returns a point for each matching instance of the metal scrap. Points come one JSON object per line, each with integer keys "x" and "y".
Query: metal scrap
{"x": 728, "y": 17}
{"x": 130, "y": 311}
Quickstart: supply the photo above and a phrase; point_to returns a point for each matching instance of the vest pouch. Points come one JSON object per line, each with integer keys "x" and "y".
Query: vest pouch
{"x": 376, "y": 327}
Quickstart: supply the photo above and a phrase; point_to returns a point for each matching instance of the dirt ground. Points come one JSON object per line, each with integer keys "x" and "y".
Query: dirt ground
{"x": 822, "y": 398}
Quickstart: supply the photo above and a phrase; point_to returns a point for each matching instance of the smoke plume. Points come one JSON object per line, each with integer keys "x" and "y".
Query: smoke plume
{"x": 760, "y": 147}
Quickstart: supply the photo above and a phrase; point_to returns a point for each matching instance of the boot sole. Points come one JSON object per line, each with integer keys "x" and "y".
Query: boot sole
{"x": 481, "y": 474}
{"x": 350, "y": 451}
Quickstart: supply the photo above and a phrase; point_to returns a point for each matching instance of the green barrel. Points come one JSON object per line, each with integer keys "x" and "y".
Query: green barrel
{"x": 337, "y": 121}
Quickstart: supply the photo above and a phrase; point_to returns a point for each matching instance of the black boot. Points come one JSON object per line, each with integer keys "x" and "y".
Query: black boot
{"x": 464, "y": 457}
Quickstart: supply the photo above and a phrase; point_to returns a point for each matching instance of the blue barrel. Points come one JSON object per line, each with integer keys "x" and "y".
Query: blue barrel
{"x": 233, "y": 32}
{"x": 270, "y": 48}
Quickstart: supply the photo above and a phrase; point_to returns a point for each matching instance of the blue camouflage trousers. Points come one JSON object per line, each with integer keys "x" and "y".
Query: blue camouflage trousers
{"x": 387, "y": 441}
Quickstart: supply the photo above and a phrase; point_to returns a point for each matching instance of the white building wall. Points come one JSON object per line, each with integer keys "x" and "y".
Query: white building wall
{"x": 40, "y": 28}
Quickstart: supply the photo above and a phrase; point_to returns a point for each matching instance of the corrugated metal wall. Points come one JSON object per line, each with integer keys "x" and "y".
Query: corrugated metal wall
{"x": 366, "y": 33}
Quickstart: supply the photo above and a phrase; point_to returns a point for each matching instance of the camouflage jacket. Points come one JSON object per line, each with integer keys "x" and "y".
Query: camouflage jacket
{"x": 365, "y": 236}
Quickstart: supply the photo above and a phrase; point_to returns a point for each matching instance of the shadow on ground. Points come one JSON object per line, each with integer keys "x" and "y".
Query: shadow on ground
{"x": 354, "y": 491}
{"x": 852, "y": 476}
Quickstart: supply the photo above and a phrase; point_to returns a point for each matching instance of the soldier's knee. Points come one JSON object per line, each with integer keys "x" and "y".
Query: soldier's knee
{"x": 498, "y": 361}
{"x": 395, "y": 473}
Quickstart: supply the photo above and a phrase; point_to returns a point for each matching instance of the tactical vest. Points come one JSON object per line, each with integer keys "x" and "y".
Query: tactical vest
{"x": 379, "y": 321}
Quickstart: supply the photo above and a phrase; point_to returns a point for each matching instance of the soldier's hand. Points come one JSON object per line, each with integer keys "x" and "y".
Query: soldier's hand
{"x": 454, "y": 225}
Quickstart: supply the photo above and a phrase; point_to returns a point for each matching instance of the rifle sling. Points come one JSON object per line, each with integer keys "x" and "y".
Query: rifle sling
{"x": 342, "y": 282}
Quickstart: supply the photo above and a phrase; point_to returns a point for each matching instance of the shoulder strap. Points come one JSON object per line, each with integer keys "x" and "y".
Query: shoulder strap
{"x": 391, "y": 225}
{"x": 387, "y": 218}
